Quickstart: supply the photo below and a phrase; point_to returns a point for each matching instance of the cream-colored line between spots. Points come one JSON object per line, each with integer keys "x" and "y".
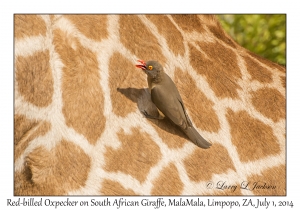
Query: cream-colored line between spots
{"x": 104, "y": 83}
{"x": 277, "y": 84}
{"x": 170, "y": 156}
{"x": 30, "y": 45}
{"x": 279, "y": 130}
{"x": 246, "y": 77}
{"x": 265, "y": 66}
{"x": 154, "y": 172}
{"x": 227, "y": 143}
{"x": 197, "y": 37}
{"x": 161, "y": 39}
{"x": 29, "y": 133}
{"x": 93, "y": 182}
{"x": 91, "y": 189}
{"x": 258, "y": 166}
{"x": 37, "y": 142}
{"x": 109, "y": 136}
{"x": 202, "y": 84}
{"x": 189, "y": 186}
{"x": 29, "y": 110}
{"x": 46, "y": 19}
{"x": 193, "y": 36}
{"x": 246, "y": 105}
{"x": 126, "y": 180}
{"x": 67, "y": 26}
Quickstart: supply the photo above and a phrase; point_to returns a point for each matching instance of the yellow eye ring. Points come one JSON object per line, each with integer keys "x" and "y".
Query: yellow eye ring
{"x": 150, "y": 67}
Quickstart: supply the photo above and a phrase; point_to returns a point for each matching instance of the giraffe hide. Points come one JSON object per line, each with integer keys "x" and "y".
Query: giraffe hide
{"x": 78, "y": 126}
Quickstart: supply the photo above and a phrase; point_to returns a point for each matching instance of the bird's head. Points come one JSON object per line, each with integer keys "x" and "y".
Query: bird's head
{"x": 151, "y": 68}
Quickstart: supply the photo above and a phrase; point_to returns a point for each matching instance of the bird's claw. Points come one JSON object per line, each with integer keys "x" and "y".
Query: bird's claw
{"x": 145, "y": 113}
{"x": 149, "y": 116}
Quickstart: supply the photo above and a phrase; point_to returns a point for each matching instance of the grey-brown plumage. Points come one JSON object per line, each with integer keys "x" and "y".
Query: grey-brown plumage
{"x": 167, "y": 99}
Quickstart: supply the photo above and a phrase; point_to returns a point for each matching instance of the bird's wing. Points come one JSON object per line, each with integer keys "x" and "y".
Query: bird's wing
{"x": 189, "y": 122}
{"x": 169, "y": 105}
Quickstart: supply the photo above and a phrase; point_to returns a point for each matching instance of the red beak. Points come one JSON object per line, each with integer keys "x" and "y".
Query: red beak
{"x": 142, "y": 65}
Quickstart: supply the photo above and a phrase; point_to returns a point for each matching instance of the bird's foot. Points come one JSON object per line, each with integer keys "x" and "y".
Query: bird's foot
{"x": 149, "y": 116}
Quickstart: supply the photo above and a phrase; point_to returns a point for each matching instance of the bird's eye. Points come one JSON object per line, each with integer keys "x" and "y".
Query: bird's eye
{"x": 150, "y": 67}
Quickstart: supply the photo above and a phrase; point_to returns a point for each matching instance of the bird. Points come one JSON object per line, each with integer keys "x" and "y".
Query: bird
{"x": 166, "y": 97}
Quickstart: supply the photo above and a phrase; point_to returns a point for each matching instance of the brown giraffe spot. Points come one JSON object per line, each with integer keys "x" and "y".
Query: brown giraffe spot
{"x": 271, "y": 182}
{"x": 220, "y": 34}
{"x": 220, "y": 68}
{"x": 137, "y": 38}
{"x": 256, "y": 71}
{"x": 81, "y": 92}
{"x": 124, "y": 78}
{"x": 170, "y": 32}
{"x": 114, "y": 188}
{"x": 168, "y": 182}
{"x": 25, "y": 131}
{"x": 202, "y": 164}
{"x": 283, "y": 81}
{"x": 29, "y": 25}
{"x": 136, "y": 155}
{"x": 253, "y": 139}
{"x": 208, "y": 19}
{"x": 189, "y": 23}
{"x": 199, "y": 107}
{"x": 92, "y": 26}
{"x": 270, "y": 103}
{"x": 34, "y": 78}
{"x": 267, "y": 62}
{"x": 170, "y": 134}
{"x": 55, "y": 172}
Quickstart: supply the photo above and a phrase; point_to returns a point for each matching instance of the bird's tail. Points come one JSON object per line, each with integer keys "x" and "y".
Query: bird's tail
{"x": 196, "y": 138}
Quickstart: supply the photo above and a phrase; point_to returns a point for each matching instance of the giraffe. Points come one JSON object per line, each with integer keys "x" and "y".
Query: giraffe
{"x": 78, "y": 126}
